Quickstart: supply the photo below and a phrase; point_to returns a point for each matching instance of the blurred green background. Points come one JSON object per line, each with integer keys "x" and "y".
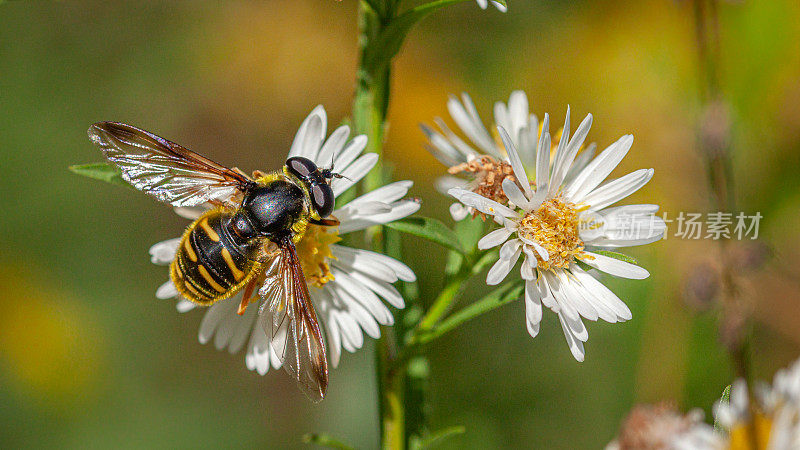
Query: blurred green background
{"x": 90, "y": 359}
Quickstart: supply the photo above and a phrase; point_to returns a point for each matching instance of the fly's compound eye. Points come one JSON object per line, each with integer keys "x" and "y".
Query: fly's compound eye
{"x": 323, "y": 199}
{"x": 301, "y": 167}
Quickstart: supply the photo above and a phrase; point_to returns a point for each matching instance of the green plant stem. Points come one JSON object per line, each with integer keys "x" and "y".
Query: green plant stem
{"x": 444, "y": 301}
{"x": 503, "y": 295}
{"x": 369, "y": 116}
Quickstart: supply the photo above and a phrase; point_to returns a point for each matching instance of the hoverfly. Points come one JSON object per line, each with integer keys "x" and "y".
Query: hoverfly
{"x": 247, "y": 237}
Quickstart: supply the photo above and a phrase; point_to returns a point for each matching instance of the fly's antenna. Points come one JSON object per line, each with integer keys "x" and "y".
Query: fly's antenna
{"x": 329, "y": 173}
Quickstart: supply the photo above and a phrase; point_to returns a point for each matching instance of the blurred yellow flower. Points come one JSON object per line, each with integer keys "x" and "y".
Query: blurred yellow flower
{"x": 48, "y": 345}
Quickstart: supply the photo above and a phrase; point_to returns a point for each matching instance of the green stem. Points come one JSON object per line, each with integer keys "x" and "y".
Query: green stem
{"x": 369, "y": 116}
{"x": 503, "y": 295}
{"x": 444, "y": 301}
{"x": 454, "y": 288}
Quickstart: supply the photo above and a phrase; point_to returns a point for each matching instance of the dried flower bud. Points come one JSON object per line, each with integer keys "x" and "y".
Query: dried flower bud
{"x": 653, "y": 427}
{"x": 701, "y": 287}
{"x": 750, "y": 256}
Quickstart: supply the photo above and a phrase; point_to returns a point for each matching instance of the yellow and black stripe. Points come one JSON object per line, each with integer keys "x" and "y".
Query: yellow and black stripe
{"x": 210, "y": 264}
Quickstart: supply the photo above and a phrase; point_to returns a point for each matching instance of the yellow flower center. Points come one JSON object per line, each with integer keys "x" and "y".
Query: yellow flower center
{"x": 314, "y": 251}
{"x": 744, "y": 436}
{"x": 554, "y": 226}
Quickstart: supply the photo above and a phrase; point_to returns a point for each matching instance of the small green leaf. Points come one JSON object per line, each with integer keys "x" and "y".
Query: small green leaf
{"x": 430, "y": 229}
{"x": 488, "y": 258}
{"x": 324, "y": 440}
{"x": 615, "y": 255}
{"x": 437, "y": 437}
{"x": 725, "y": 399}
{"x": 502, "y": 295}
{"x": 100, "y": 171}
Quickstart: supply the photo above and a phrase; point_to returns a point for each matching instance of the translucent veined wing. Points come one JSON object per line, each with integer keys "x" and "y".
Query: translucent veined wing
{"x": 164, "y": 169}
{"x": 294, "y": 328}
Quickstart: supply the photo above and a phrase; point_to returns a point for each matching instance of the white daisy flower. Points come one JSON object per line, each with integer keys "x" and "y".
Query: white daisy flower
{"x": 484, "y": 3}
{"x": 556, "y": 223}
{"x": 772, "y": 422}
{"x": 483, "y": 164}
{"x": 346, "y": 284}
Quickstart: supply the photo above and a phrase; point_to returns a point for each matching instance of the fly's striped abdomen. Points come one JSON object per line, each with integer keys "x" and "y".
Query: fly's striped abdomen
{"x": 209, "y": 265}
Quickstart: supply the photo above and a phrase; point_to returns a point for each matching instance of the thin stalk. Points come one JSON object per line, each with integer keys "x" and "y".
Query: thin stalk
{"x": 719, "y": 169}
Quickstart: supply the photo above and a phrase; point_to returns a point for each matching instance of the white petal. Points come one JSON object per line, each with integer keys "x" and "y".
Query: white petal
{"x": 575, "y": 346}
{"x": 518, "y": 112}
{"x": 167, "y": 290}
{"x": 356, "y": 310}
{"x": 470, "y": 123}
{"x": 311, "y": 131}
{"x": 562, "y": 168}
{"x": 466, "y": 152}
{"x": 366, "y": 297}
{"x": 163, "y": 252}
{"x": 602, "y": 293}
{"x": 494, "y": 238}
{"x": 618, "y": 189}
{"x": 541, "y": 251}
{"x": 565, "y": 304}
{"x": 516, "y": 196}
{"x": 597, "y": 304}
{"x": 373, "y": 260}
{"x": 191, "y": 212}
{"x": 575, "y": 297}
{"x": 625, "y": 226}
{"x": 184, "y": 306}
{"x": 351, "y": 211}
{"x": 526, "y": 269}
{"x": 500, "y": 7}
{"x": 558, "y": 160}
{"x": 501, "y": 268}
{"x": 543, "y": 157}
{"x": 516, "y": 163}
{"x": 214, "y": 316}
{"x": 458, "y": 211}
{"x": 399, "y": 210}
{"x": 546, "y": 294}
{"x": 332, "y": 147}
{"x": 533, "y": 308}
{"x": 350, "y": 152}
{"x": 509, "y": 248}
{"x": 354, "y": 173}
{"x": 441, "y": 148}
{"x": 501, "y": 117}
{"x": 580, "y": 163}
{"x": 615, "y": 267}
{"x": 482, "y": 203}
{"x": 387, "y": 194}
{"x": 380, "y": 287}
{"x": 596, "y": 171}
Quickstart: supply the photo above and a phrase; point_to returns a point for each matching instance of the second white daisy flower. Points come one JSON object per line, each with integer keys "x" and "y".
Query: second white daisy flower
{"x": 557, "y": 222}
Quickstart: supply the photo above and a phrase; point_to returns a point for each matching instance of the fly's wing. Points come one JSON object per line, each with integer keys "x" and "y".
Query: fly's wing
{"x": 164, "y": 169}
{"x": 295, "y": 332}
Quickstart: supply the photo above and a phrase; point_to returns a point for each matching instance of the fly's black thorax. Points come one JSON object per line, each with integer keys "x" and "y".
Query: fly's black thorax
{"x": 269, "y": 211}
